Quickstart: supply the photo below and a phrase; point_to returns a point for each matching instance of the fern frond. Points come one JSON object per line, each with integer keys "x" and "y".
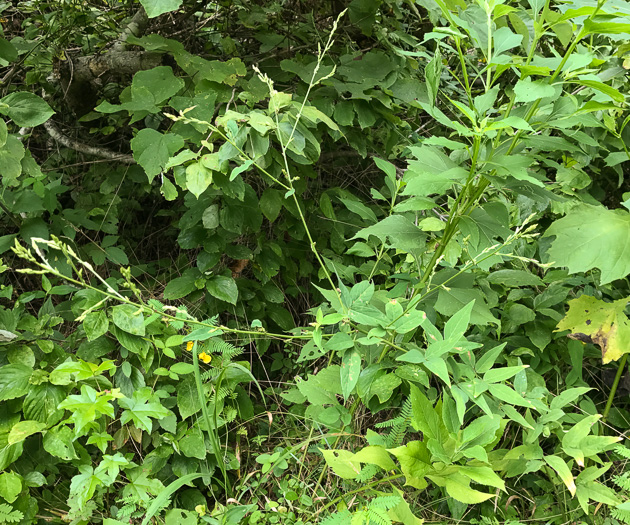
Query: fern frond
{"x": 338, "y": 518}
{"x": 385, "y": 502}
{"x": 227, "y": 350}
{"x": 367, "y": 473}
{"x": 620, "y": 515}
{"x": 398, "y": 431}
{"x": 624, "y": 452}
{"x": 9, "y": 515}
{"x": 622, "y": 481}
{"x": 378, "y": 516}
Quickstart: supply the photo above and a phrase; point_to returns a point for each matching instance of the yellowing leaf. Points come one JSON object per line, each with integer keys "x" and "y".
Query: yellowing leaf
{"x": 594, "y": 321}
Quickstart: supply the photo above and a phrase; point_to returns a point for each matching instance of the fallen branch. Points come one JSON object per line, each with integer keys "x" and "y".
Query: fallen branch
{"x": 66, "y": 141}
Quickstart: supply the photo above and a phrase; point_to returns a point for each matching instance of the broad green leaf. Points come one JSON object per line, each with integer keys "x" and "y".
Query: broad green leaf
{"x": 495, "y": 375}
{"x": 509, "y": 395}
{"x": 375, "y": 455}
{"x": 458, "y": 487}
{"x": 10, "y": 486}
{"x": 14, "y": 381}
{"x": 88, "y": 406}
{"x": 140, "y": 408}
{"x": 606, "y": 324}
{"x": 20, "y": 431}
{"x": 613, "y": 28}
{"x": 128, "y": 318}
{"x": 415, "y": 463}
{"x": 152, "y": 150}
{"x": 401, "y": 232}
{"x": 188, "y": 402}
{"x": 41, "y": 402}
{"x": 11, "y": 155}
{"x": 58, "y": 442}
{"x": 607, "y": 90}
{"x": 26, "y": 109}
{"x": 223, "y": 288}
{"x": 271, "y": 203}
{"x": 180, "y": 287}
{"x": 514, "y": 278}
{"x": 350, "y": 370}
{"x": 342, "y": 462}
{"x": 160, "y": 82}
{"x": 198, "y": 178}
{"x": 7, "y": 50}
{"x": 562, "y": 469}
{"x": 578, "y": 443}
{"x": 426, "y": 418}
{"x": 532, "y": 90}
{"x": 95, "y": 325}
{"x": 452, "y": 300}
{"x": 592, "y": 237}
{"x": 504, "y": 40}
{"x": 155, "y": 8}
{"x": 483, "y": 475}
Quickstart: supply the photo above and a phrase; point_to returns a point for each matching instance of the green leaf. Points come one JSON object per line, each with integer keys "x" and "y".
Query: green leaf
{"x": 159, "y": 82}
{"x": 128, "y": 318}
{"x": 140, "y": 408}
{"x": 458, "y": 488}
{"x": 375, "y": 455}
{"x": 20, "y": 431}
{"x": 592, "y": 237}
{"x": 223, "y": 288}
{"x": 95, "y": 325}
{"x": 26, "y": 109}
{"x": 415, "y": 463}
{"x": 198, "y": 178}
{"x": 562, "y": 469}
{"x": 193, "y": 446}
{"x": 180, "y": 287}
{"x": 271, "y": 203}
{"x": 152, "y": 150}
{"x": 514, "y": 278}
{"x": 450, "y": 301}
{"x": 605, "y": 323}
{"x": 402, "y": 233}
{"x": 88, "y": 406}
{"x": 504, "y": 40}
{"x": 7, "y": 50}
{"x": 10, "y": 486}
{"x": 42, "y": 401}
{"x": 350, "y": 370}
{"x": 342, "y": 463}
{"x": 58, "y": 442}
{"x": 14, "y": 381}
{"x": 531, "y": 90}
{"x": 483, "y": 475}
{"x": 155, "y": 8}
{"x": 188, "y": 401}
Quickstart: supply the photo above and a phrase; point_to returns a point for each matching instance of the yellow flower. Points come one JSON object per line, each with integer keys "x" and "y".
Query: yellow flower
{"x": 205, "y": 357}
{"x": 189, "y": 345}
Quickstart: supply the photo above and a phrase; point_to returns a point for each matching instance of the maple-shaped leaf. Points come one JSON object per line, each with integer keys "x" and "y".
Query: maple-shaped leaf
{"x": 88, "y": 406}
{"x": 605, "y": 324}
{"x": 140, "y": 486}
{"x": 592, "y": 237}
{"x": 141, "y": 407}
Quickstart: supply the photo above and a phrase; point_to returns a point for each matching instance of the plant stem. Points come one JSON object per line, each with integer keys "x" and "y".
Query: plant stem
{"x": 212, "y": 430}
{"x": 613, "y": 388}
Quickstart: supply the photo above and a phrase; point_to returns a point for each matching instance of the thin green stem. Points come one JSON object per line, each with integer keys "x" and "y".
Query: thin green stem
{"x": 211, "y": 429}
{"x": 362, "y": 489}
{"x": 613, "y": 388}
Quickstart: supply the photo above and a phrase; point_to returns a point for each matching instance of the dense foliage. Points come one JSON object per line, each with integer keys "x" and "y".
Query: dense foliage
{"x": 288, "y": 262}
